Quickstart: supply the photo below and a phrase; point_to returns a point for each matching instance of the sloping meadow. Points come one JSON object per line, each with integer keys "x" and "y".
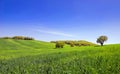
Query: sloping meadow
{"x": 90, "y": 60}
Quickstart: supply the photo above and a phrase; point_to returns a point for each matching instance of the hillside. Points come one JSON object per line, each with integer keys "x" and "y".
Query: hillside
{"x": 22, "y": 44}
{"x": 28, "y": 57}
{"x": 10, "y": 48}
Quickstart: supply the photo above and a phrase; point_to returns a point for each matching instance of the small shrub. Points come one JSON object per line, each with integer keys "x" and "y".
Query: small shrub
{"x": 71, "y": 44}
{"x": 59, "y": 44}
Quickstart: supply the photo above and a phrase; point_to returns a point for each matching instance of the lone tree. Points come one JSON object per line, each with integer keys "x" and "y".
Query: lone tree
{"x": 102, "y": 39}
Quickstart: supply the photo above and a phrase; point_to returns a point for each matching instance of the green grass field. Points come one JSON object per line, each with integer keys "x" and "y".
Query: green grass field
{"x": 37, "y": 57}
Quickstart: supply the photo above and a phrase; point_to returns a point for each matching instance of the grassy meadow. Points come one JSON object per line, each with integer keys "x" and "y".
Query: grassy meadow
{"x": 37, "y": 57}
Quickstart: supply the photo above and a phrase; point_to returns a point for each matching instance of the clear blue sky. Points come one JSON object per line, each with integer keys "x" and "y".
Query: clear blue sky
{"x": 61, "y": 19}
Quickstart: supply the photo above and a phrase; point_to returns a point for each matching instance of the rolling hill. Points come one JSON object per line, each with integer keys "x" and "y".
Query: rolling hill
{"x": 37, "y": 57}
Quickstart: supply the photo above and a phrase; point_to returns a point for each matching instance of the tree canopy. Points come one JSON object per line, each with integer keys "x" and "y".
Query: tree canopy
{"x": 102, "y": 39}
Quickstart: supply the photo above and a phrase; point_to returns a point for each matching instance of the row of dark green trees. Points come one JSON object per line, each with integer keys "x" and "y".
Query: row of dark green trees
{"x": 19, "y": 38}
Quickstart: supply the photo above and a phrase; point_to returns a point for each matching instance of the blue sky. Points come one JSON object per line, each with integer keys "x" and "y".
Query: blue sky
{"x": 48, "y": 20}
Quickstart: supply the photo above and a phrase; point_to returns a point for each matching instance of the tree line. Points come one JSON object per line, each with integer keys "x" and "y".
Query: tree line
{"x": 18, "y": 38}
{"x": 72, "y": 43}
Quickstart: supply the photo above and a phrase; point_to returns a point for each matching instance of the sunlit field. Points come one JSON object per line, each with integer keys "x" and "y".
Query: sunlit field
{"x": 37, "y": 57}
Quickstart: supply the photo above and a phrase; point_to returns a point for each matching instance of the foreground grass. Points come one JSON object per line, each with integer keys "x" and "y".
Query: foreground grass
{"x": 36, "y": 57}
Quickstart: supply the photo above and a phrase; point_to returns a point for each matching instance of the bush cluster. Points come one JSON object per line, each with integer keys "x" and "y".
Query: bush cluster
{"x": 23, "y": 38}
{"x": 59, "y": 44}
{"x": 73, "y": 43}
{"x": 19, "y": 38}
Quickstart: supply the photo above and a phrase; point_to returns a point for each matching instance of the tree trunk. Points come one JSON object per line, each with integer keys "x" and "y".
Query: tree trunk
{"x": 101, "y": 44}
